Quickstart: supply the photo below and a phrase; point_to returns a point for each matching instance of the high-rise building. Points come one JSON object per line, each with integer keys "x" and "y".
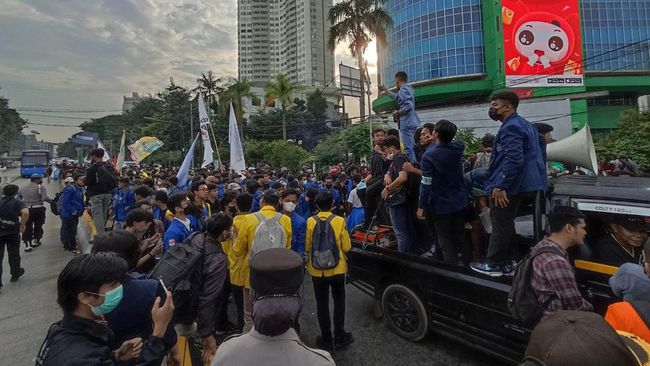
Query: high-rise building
{"x": 285, "y": 37}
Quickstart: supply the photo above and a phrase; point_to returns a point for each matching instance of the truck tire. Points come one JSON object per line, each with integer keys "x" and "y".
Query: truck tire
{"x": 404, "y": 312}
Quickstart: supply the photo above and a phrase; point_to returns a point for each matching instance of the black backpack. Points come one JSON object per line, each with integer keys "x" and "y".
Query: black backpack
{"x": 55, "y": 204}
{"x": 9, "y": 216}
{"x": 180, "y": 269}
{"x": 105, "y": 178}
{"x": 324, "y": 251}
{"x": 522, "y": 301}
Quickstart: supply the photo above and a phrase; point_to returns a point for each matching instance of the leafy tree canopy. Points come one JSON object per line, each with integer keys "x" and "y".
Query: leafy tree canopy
{"x": 630, "y": 138}
{"x": 11, "y": 125}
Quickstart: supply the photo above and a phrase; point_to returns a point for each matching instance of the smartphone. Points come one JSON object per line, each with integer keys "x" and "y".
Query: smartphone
{"x": 162, "y": 283}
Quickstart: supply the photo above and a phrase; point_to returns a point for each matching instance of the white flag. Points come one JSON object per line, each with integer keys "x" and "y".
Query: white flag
{"x": 184, "y": 171}
{"x": 106, "y": 156}
{"x": 203, "y": 127}
{"x": 237, "y": 162}
{"x": 119, "y": 164}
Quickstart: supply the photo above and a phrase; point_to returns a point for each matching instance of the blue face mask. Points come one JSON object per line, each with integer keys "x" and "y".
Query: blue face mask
{"x": 111, "y": 299}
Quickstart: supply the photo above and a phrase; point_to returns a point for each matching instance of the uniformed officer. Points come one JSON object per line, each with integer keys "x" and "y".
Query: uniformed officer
{"x": 33, "y": 194}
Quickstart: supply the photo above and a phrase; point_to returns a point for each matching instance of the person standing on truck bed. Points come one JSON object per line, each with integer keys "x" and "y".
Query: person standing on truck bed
{"x": 517, "y": 172}
{"x": 101, "y": 180}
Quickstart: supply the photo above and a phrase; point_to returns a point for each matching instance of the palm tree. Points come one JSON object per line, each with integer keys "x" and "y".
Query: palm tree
{"x": 209, "y": 86}
{"x": 358, "y": 22}
{"x": 281, "y": 89}
{"x": 235, "y": 93}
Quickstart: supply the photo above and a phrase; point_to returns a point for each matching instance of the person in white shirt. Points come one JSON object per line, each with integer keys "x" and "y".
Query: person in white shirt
{"x": 355, "y": 208}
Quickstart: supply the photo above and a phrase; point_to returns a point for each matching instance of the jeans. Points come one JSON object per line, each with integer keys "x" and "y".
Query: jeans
{"x": 451, "y": 236}
{"x": 321, "y": 292}
{"x": 34, "y": 225}
{"x": 400, "y": 216}
{"x": 69, "y": 226}
{"x": 248, "y": 310}
{"x": 99, "y": 206}
{"x": 406, "y": 135}
{"x": 503, "y": 241}
{"x": 12, "y": 242}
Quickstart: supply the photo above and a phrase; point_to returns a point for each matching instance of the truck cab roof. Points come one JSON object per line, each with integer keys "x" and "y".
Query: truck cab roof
{"x": 629, "y": 189}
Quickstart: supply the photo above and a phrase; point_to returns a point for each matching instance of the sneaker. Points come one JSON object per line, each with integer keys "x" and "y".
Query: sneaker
{"x": 28, "y": 247}
{"x": 509, "y": 268}
{"x": 37, "y": 243}
{"x": 324, "y": 344}
{"x": 16, "y": 276}
{"x": 343, "y": 340}
{"x": 431, "y": 253}
{"x": 492, "y": 270}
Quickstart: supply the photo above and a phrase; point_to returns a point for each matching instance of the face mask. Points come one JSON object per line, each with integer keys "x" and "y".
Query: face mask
{"x": 289, "y": 206}
{"x": 494, "y": 114}
{"x": 111, "y": 299}
{"x": 390, "y": 156}
{"x": 328, "y": 186}
{"x": 304, "y": 181}
{"x": 232, "y": 210}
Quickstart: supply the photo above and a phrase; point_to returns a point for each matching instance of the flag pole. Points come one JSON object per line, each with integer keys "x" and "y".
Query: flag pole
{"x": 214, "y": 140}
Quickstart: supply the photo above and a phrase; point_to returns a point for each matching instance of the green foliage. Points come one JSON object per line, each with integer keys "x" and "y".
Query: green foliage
{"x": 357, "y": 141}
{"x": 630, "y": 138}
{"x": 277, "y": 153}
{"x": 330, "y": 150}
{"x": 11, "y": 125}
{"x": 317, "y": 105}
{"x": 472, "y": 143}
{"x": 67, "y": 149}
{"x": 166, "y": 157}
{"x": 301, "y": 126}
{"x": 282, "y": 89}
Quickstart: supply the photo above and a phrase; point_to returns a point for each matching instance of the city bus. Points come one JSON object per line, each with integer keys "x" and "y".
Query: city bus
{"x": 33, "y": 162}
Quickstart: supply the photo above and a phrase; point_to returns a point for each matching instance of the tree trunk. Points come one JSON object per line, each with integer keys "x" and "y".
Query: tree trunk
{"x": 362, "y": 75}
{"x": 284, "y": 124}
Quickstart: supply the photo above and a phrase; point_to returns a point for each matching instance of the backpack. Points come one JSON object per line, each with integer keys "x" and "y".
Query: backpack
{"x": 324, "y": 251}
{"x": 268, "y": 234}
{"x": 56, "y": 204}
{"x": 482, "y": 160}
{"x": 9, "y": 217}
{"x": 106, "y": 179}
{"x": 180, "y": 269}
{"x": 522, "y": 301}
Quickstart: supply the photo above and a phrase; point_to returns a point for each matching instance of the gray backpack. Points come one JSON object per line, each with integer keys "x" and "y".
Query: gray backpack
{"x": 268, "y": 234}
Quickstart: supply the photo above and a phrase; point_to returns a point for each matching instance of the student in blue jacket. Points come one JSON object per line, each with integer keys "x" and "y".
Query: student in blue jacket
{"x": 123, "y": 201}
{"x": 181, "y": 226}
{"x": 290, "y": 199}
{"x": 72, "y": 207}
{"x": 517, "y": 172}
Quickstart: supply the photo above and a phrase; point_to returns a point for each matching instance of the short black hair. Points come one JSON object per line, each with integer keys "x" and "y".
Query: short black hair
{"x": 175, "y": 201}
{"x": 543, "y": 128}
{"x": 324, "y": 201}
{"x": 487, "y": 140}
{"x": 252, "y": 186}
{"x": 87, "y": 273}
{"x": 98, "y": 153}
{"x": 143, "y": 191}
{"x": 401, "y": 75}
{"x": 393, "y": 132}
{"x": 228, "y": 197}
{"x": 196, "y": 184}
{"x": 149, "y": 182}
{"x": 173, "y": 180}
{"x": 141, "y": 203}
{"x": 311, "y": 193}
{"x": 138, "y": 215}
{"x": 271, "y": 198}
{"x": 377, "y": 130}
{"x": 160, "y": 196}
{"x": 429, "y": 126}
{"x": 10, "y": 190}
{"x": 391, "y": 141}
{"x": 217, "y": 223}
{"x": 507, "y": 96}
{"x": 289, "y": 192}
{"x": 446, "y": 131}
{"x": 120, "y": 242}
{"x": 356, "y": 178}
{"x": 244, "y": 201}
{"x": 561, "y": 216}
{"x": 124, "y": 180}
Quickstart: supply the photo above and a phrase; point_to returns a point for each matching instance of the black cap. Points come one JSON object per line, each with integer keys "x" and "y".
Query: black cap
{"x": 276, "y": 271}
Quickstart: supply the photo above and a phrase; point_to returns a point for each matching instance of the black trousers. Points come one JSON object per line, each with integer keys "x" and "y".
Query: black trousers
{"x": 69, "y": 226}
{"x": 222, "y": 323}
{"x": 321, "y": 292}
{"x": 373, "y": 199}
{"x": 450, "y": 229}
{"x": 503, "y": 241}
{"x": 12, "y": 242}
{"x": 34, "y": 225}
{"x": 238, "y": 296}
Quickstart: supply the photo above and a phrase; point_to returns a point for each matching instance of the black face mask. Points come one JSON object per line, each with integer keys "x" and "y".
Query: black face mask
{"x": 232, "y": 210}
{"x": 493, "y": 114}
{"x": 328, "y": 186}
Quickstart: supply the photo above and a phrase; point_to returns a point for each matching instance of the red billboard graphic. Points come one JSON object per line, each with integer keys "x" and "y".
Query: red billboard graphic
{"x": 542, "y": 43}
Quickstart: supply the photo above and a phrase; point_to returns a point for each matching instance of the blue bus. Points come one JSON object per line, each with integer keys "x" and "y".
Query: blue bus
{"x": 34, "y": 162}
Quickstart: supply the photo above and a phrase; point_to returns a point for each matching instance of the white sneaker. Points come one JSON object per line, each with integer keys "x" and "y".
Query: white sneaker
{"x": 28, "y": 248}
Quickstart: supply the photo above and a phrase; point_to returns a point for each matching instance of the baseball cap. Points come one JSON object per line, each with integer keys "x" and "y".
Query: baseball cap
{"x": 233, "y": 187}
{"x": 576, "y": 338}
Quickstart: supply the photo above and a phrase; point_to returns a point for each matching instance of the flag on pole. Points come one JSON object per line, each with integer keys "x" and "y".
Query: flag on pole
{"x": 237, "y": 162}
{"x": 106, "y": 156}
{"x": 119, "y": 164}
{"x": 203, "y": 128}
{"x": 184, "y": 171}
{"x": 144, "y": 147}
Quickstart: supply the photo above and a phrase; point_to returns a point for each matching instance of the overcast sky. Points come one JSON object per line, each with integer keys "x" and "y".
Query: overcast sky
{"x": 85, "y": 55}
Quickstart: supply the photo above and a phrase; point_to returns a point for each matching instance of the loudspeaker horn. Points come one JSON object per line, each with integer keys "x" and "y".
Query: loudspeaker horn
{"x": 577, "y": 149}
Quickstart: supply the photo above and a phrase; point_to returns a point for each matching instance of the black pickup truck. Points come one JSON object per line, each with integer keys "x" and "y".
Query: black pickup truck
{"x": 418, "y": 295}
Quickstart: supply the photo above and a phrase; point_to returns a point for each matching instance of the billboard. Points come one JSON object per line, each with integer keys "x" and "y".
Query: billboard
{"x": 542, "y": 43}
{"x": 350, "y": 81}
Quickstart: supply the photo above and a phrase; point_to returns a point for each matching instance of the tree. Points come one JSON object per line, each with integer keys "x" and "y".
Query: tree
{"x": 630, "y": 138}
{"x": 317, "y": 105}
{"x": 330, "y": 150}
{"x": 276, "y": 153}
{"x": 11, "y": 125}
{"x": 357, "y": 140}
{"x": 235, "y": 94}
{"x": 358, "y": 22}
{"x": 281, "y": 89}
{"x": 472, "y": 143}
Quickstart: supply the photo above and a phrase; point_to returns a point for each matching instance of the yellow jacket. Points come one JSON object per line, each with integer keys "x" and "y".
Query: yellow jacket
{"x": 342, "y": 241}
{"x": 244, "y": 241}
{"x": 235, "y": 263}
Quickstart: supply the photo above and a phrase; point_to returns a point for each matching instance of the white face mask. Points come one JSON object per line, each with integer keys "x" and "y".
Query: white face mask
{"x": 289, "y": 206}
{"x": 390, "y": 156}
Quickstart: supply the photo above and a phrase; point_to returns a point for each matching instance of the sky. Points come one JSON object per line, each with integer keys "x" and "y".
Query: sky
{"x": 65, "y": 61}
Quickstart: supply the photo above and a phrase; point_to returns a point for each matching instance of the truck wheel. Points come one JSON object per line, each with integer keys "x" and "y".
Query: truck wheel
{"x": 404, "y": 312}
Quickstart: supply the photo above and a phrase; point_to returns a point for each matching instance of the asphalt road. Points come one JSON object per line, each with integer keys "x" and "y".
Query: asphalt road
{"x": 28, "y": 307}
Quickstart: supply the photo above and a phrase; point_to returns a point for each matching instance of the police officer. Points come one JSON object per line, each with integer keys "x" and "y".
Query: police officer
{"x": 33, "y": 194}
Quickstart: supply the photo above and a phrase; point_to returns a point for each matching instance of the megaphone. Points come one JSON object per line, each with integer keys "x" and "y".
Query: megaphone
{"x": 577, "y": 149}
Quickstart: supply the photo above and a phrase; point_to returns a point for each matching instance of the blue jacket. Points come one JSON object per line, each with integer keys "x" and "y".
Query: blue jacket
{"x": 298, "y": 230}
{"x": 256, "y": 201}
{"x": 405, "y": 99}
{"x": 517, "y": 164}
{"x": 335, "y": 194}
{"x": 123, "y": 202}
{"x": 303, "y": 207}
{"x": 176, "y": 233}
{"x": 442, "y": 190}
{"x": 220, "y": 191}
{"x": 72, "y": 200}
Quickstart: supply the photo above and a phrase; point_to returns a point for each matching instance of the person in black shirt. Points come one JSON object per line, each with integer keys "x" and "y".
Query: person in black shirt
{"x": 13, "y": 218}
{"x": 370, "y": 196}
{"x": 623, "y": 242}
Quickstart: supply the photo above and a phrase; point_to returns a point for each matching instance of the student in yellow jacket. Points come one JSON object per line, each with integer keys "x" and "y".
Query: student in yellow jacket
{"x": 244, "y": 243}
{"x": 334, "y": 278}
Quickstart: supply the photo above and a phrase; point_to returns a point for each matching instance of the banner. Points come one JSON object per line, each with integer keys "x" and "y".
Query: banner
{"x": 203, "y": 127}
{"x": 121, "y": 156}
{"x": 237, "y": 162}
{"x": 542, "y": 43}
{"x": 184, "y": 171}
{"x": 85, "y": 138}
{"x": 144, "y": 147}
